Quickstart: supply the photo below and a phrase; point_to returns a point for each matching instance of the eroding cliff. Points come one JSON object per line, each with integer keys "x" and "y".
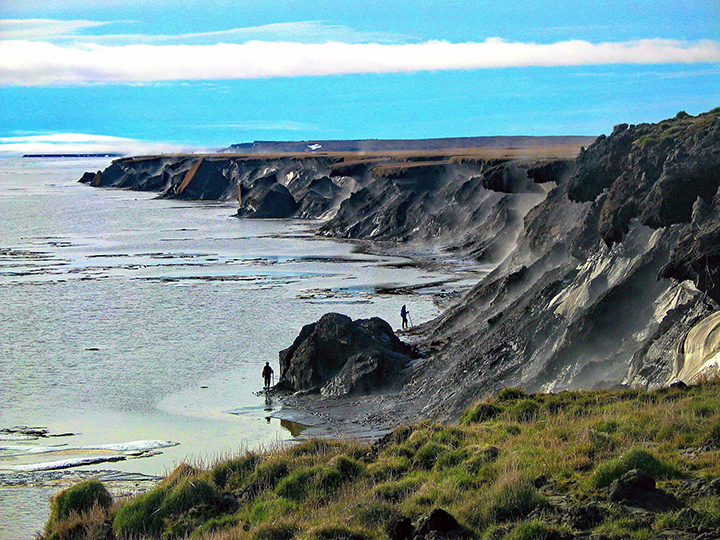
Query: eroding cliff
{"x": 606, "y": 267}
{"x": 470, "y": 202}
{"x": 609, "y": 275}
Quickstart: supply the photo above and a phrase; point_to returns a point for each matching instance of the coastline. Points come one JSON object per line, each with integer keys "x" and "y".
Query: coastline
{"x": 45, "y": 484}
{"x": 366, "y": 418}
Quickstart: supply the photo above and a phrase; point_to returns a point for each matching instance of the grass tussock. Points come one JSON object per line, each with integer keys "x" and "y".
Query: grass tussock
{"x": 500, "y": 472}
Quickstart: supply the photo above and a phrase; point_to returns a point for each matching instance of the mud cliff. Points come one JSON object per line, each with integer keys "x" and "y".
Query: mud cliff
{"x": 605, "y": 259}
{"x": 609, "y": 275}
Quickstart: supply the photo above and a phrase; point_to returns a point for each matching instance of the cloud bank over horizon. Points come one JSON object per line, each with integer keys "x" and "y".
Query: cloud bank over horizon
{"x": 40, "y": 63}
{"x": 82, "y": 143}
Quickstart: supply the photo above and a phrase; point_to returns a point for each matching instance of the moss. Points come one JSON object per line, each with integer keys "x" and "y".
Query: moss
{"x": 524, "y": 410}
{"x": 348, "y": 468}
{"x": 450, "y": 436}
{"x": 452, "y": 458}
{"x": 311, "y": 447}
{"x": 712, "y": 437}
{"x": 337, "y": 532}
{"x": 646, "y": 141}
{"x": 376, "y": 514}
{"x": 607, "y": 426}
{"x": 270, "y": 510}
{"x": 395, "y": 491}
{"x": 141, "y": 516}
{"x": 704, "y": 408}
{"x": 297, "y": 485}
{"x": 184, "y": 470}
{"x": 512, "y": 497}
{"x": 284, "y": 530}
{"x": 266, "y": 476}
{"x": 389, "y": 467}
{"x": 539, "y": 530}
{"x": 171, "y": 511}
{"x": 314, "y": 482}
{"x": 483, "y": 474}
{"x": 82, "y": 507}
{"x": 406, "y": 450}
{"x": 427, "y": 456}
{"x": 481, "y": 457}
{"x": 215, "y": 525}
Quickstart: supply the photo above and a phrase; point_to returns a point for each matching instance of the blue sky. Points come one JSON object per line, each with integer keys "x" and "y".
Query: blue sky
{"x": 140, "y": 75}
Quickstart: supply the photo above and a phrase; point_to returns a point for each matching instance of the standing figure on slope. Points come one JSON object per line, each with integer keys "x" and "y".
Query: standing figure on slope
{"x": 404, "y": 315}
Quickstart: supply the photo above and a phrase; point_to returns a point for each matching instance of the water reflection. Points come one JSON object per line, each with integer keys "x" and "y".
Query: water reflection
{"x": 294, "y": 428}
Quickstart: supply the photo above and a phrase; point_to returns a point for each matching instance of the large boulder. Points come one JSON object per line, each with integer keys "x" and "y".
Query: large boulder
{"x": 339, "y": 356}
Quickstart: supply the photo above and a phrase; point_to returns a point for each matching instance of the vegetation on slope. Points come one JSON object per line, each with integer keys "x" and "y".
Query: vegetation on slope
{"x": 516, "y": 467}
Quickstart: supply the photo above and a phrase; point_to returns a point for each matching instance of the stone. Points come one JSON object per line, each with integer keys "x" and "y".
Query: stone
{"x": 442, "y": 523}
{"x": 400, "y": 529}
{"x": 343, "y": 357}
{"x": 585, "y": 517}
{"x": 633, "y": 485}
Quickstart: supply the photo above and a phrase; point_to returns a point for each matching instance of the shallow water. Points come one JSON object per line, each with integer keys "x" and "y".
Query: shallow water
{"x": 127, "y": 318}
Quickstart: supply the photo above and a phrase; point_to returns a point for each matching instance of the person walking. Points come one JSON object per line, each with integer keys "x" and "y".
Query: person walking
{"x": 267, "y": 374}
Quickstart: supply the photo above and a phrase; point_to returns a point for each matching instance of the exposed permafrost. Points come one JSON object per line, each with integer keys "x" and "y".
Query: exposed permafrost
{"x": 700, "y": 352}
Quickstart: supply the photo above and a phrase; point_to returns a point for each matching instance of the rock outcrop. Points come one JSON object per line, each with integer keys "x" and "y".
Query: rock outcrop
{"x": 338, "y": 356}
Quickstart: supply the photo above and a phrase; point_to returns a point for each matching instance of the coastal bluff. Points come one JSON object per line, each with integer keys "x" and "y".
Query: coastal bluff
{"x": 603, "y": 252}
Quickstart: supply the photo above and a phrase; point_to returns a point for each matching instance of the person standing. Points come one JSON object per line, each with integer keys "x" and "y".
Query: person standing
{"x": 404, "y": 316}
{"x": 267, "y": 374}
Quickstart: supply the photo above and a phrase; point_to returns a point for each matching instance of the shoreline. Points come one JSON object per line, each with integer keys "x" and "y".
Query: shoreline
{"x": 307, "y": 418}
{"x": 366, "y": 418}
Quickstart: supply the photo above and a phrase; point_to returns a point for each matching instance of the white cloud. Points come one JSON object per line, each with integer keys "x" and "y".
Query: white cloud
{"x": 65, "y": 32}
{"x": 81, "y": 143}
{"x": 42, "y": 63}
{"x": 43, "y": 28}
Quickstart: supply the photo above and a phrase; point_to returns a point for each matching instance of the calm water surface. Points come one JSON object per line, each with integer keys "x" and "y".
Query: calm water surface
{"x": 127, "y": 318}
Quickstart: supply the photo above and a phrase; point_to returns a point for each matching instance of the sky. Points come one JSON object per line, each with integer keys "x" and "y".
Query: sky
{"x": 145, "y": 76}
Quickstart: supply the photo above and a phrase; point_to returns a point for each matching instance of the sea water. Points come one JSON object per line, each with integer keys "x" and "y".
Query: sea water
{"x": 131, "y": 320}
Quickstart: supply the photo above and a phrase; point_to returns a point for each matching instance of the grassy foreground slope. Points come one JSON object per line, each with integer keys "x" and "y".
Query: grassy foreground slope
{"x": 517, "y": 467}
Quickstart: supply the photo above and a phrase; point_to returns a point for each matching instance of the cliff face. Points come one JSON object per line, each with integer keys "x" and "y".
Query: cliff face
{"x": 606, "y": 266}
{"x": 471, "y": 205}
{"x": 609, "y": 275}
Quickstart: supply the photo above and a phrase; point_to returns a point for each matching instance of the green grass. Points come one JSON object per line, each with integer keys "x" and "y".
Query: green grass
{"x": 500, "y": 472}
{"x": 635, "y": 458}
{"x": 81, "y": 507}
